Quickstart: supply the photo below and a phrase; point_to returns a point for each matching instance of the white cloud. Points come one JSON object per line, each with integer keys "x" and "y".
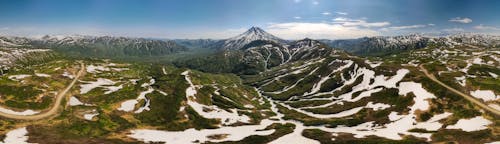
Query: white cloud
{"x": 431, "y": 24}
{"x": 341, "y": 13}
{"x": 483, "y": 27}
{"x": 359, "y": 22}
{"x": 326, "y": 13}
{"x": 297, "y": 17}
{"x": 297, "y": 1}
{"x": 341, "y": 19}
{"x": 454, "y": 30}
{"x": 403, "y": 27}
{"x": 315, "y": 3}
{"x": 318, "y": 31}
{"x": 460, "y": 20}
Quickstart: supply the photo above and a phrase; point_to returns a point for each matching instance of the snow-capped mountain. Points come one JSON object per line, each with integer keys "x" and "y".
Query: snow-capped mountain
{"x": 8, "y": 41}
{"x": 382, "y": 45}
{"x": 250, "y": 35}
{"x": 469, "y": 39}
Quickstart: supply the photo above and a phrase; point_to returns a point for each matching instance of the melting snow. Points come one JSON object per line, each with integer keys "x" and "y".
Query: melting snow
{"x": 128, "y": 105}
{"x": 42, "y": 75}
{"x": 461, "y": 80}
{"x": 478, "y": 61}
{"x": 96, "y": 69}
{"x": 493, "y": 75}
{"x": 214, "y": 112}
{"x": 73, "y": 101}
{"x": 373, "y": 64}
{"x": 67, "y": 74}
{"x": 26, "y": 112}
{"x": 90, "y": 116}
{"x": 85, "y": 88}
{"x": 468, "y": 125}
{"x": 112, "y": 89}
{"x": 192, "y": 135}
{"x": 295, "y": 137}
{"x": 420, "y": 95}
{"x": 400, "y": 123}
{"x": 377, "y": 106}
{"x": 18, "y": 77}
{"x": 17, "y": 136}
{"x": 486, "y": 95}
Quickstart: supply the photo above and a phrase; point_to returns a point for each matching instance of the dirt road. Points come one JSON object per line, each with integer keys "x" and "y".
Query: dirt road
{"x": 467, "y": 97}
{"x": 54, "y": 109}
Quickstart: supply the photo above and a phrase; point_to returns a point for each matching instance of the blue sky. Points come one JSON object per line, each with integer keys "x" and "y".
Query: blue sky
{"x": 289, "y": 19}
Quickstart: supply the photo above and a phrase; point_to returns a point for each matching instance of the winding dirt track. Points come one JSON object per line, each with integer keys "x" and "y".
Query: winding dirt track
{"x": 467, "y": 97}
{"x": 53, "y": 110}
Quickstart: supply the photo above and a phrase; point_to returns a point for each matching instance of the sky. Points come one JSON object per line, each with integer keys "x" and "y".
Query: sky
{"x": 220, "y": 19}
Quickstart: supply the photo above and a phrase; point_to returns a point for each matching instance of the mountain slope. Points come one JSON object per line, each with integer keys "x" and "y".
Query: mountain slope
{"x": 107, "y": 46}
{"x": 104, "y": 46}
{"x": 379, "y": 46}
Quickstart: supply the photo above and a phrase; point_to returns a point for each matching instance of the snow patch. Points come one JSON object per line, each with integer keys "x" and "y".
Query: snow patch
{"x": 461, "y": 80}
{"x": 377, "y": 106}
{"x": 73, "y": 101}
{"x": 18, "y": 77}
{"x": 486, "y": 95}
{"x": 468, "y": 125}
{"x": 373, "y": 64}
{"x": 90, "y": 116}
{"x": 17, "y": 136}
{"x": 24, "y": 113}
{"x": 96, "y": 69}
{"x": 85, "y": 88}
{"x": 192, "y": 135}
{"x": 42, "y": 75}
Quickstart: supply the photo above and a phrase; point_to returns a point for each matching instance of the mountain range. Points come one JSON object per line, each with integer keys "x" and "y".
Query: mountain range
{"x": 103, "y": 46}
{"x": 108, "y": 46}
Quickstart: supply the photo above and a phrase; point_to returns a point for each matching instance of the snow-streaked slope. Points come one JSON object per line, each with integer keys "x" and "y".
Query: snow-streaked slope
{"x": 250, "y": 35}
